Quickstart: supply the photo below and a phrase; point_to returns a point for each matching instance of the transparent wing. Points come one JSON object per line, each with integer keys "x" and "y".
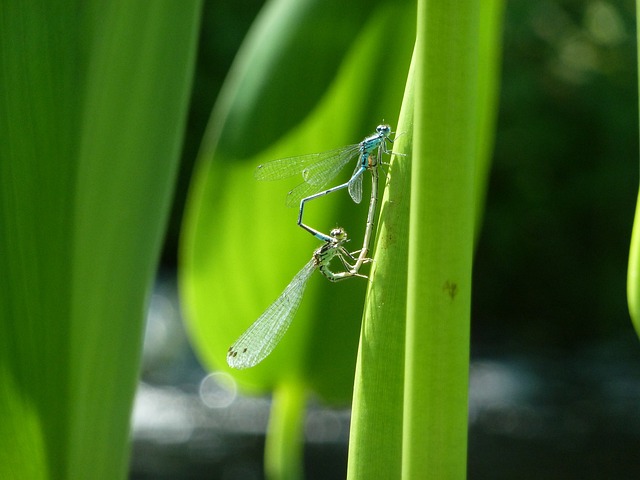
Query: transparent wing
{"x": 307, "y": 165}
{"x": 355, "y": 183}
{"x": 319, "y": 182}
{"x": 322, "y": 172}
{"x": 317, "y": 170}
{"x": 259, "y": 340}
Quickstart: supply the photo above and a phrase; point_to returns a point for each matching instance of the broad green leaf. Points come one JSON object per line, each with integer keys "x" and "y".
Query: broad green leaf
{"x": 241, "y": 245}
{"x": 91, "y": 120}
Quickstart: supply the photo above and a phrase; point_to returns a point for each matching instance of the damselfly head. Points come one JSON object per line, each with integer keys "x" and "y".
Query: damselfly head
{"x": 339, "y": 234}
{"x": 384, "y": 130}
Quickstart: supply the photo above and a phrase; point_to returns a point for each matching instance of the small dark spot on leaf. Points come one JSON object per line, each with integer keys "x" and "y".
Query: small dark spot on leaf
{"x": 450, "y": 288}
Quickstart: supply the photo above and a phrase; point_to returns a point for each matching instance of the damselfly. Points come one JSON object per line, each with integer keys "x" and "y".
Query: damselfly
{"x": 372, "y": 165}
{"x": 259, "y": 340}
{"x": 318, "y": 169}
{"x": 373, "y": 203}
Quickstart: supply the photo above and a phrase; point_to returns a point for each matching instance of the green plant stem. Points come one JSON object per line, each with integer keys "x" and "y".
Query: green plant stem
{"x": 441, "y": 241}
{"x": 284, "y": 446}
{"x": 375, "y": 442}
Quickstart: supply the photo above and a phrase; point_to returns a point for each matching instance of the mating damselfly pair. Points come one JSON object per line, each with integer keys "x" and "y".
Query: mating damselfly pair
{"x": 317, "y": 170}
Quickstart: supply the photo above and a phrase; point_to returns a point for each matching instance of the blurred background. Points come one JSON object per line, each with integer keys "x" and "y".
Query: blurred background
{"x": 555, "y": 375}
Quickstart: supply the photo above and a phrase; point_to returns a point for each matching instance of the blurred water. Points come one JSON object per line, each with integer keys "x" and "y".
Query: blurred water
{"x": 533, "y": 415}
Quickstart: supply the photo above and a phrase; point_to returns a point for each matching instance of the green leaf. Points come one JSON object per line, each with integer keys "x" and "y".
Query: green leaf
{"x": 91, "y": 122}
{"x": 633, "y": 273}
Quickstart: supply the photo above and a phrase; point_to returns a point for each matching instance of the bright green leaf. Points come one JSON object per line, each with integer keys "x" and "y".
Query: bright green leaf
{"x": 91, "y": 121}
